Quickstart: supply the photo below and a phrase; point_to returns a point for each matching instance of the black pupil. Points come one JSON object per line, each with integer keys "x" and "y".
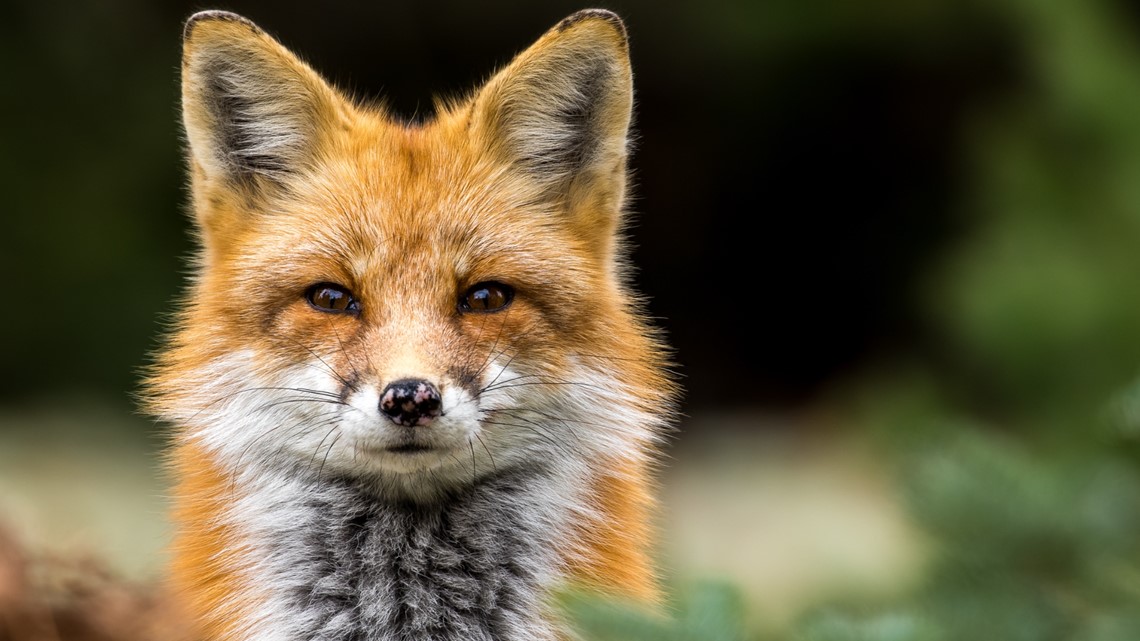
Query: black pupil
{"x": 483, "y": 298}
{"x": 487, "y": 297}
{"x": 331, "y": 298}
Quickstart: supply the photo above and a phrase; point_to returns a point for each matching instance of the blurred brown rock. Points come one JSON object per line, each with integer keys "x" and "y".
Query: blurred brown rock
{"x": 47, "y": 598}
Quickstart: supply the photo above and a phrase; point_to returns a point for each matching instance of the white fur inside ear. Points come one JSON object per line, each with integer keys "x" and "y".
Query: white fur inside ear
{"x": 250, "y": 107}
{"x": 563, "y": 107}
{"x": 262, "y": 128}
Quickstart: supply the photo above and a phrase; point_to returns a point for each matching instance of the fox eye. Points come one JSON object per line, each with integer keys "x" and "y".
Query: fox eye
{"x": 333, "y": 298}
{"x": 488, "y": 296}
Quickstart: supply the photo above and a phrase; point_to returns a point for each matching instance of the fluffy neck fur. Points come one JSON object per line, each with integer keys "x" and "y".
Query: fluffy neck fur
{"x": 344, "y": 564}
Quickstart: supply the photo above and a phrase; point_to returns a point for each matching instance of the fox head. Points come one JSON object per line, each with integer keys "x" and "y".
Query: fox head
{"x": 411, "y": 305}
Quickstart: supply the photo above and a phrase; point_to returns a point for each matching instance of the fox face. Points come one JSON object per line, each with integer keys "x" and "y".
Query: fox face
{"x": 415, "y": 306}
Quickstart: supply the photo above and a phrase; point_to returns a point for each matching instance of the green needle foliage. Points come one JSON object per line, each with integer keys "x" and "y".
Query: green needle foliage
{"x": 1017, "y": 445}
{"x": 706, "y": 612}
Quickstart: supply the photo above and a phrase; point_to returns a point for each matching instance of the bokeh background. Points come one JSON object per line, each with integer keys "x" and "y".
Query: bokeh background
{"x": 895, "y": 243}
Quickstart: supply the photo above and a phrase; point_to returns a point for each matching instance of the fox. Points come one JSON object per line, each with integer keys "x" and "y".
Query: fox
{"x": 411, "y": 389}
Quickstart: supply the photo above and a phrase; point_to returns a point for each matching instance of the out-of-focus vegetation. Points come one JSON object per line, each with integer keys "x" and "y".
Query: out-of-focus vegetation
{"x": 948, "y": 194}
{"x": 1016, "y": 447}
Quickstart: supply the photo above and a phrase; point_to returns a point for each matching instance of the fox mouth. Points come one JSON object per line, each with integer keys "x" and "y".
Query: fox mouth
{"x": 409, "y": 448}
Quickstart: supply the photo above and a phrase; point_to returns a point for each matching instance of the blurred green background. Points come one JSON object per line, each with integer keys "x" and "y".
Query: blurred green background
{"x": 895, "y": 243}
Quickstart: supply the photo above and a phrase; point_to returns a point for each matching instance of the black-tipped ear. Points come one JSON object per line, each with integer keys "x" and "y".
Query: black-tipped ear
{"x": 250, "y": 107}
{"x": 561, "y": 110}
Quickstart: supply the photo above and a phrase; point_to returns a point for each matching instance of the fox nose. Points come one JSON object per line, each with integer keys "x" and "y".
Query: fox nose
{"x": 411, "y": 402}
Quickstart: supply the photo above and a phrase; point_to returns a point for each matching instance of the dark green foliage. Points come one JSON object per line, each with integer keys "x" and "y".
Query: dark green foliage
{"x": 1016, "y": 442}
{"x": 706, "y": 612}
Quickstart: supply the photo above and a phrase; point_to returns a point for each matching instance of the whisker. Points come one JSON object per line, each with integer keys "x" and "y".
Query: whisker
{"x": 343, "y": 350}
{"x": 491, "y": 352}
{"x": 335, "y": 428}
{"x": 607, "y": 357}
{"x": 317, "y": 356}
{"x": 552, "y": 417}
{"x": 511, "y": 383}
{"x": 537, "y": 432}
{"x": 287, "y": 401}
{"x": 474, "y": 477}
{"x": 321, "y": 471}
{"x": 471, "y": 347}
{"x": 267, "y": 388}
{"x": 494, "y": 468}
{"x": 501, "y": 370}
{"x": 519, "y": 377}
{"x": 515, "y": 415}
{"x": 293, "y": 429}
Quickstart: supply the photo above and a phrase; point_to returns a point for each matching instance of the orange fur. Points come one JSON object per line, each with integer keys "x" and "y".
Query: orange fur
{"x": 406, "y": 214}
{"x": 206, "y": 564}
{"x": 617, "y": 555}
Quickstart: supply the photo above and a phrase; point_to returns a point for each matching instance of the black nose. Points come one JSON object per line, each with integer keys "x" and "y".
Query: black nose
{"x": 410, "y": 401}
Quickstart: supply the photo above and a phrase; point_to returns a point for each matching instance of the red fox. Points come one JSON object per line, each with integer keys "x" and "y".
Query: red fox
{"x": 412, "y": 390}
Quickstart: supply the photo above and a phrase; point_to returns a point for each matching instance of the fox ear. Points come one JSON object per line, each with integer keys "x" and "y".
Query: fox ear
{"x": 560, "y": 111}
{"x": 253, "y": 112}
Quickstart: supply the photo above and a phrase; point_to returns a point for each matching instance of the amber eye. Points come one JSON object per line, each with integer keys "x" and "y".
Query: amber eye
{"x": 330, "y": 297}
{"x": 489, "y": 296}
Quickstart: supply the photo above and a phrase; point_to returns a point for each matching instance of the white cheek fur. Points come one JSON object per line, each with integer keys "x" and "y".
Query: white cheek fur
{"x": 246, "y": 413}
{"x": 295, "y": 414}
